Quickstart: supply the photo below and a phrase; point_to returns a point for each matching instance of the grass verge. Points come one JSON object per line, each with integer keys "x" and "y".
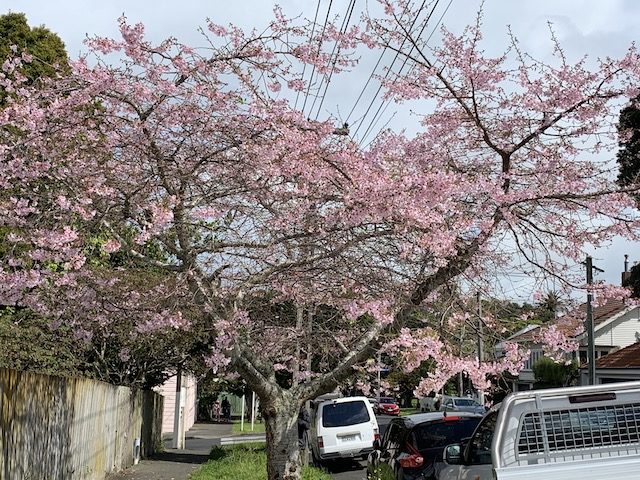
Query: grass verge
{"x": 244, "y": 461}
{"x": 258, "y": 427}
{"x": 408, "y": 411}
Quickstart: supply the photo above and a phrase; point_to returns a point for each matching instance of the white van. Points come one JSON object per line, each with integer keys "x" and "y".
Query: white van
{"x": 343, "y": 428}
{"x": 586, "y": 433}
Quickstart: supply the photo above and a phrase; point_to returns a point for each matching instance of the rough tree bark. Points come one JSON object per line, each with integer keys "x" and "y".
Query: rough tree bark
{"x": 281, "y": 424}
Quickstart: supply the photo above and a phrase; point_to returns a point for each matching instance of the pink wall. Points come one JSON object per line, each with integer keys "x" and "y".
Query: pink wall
{"x": 168, "y": 391}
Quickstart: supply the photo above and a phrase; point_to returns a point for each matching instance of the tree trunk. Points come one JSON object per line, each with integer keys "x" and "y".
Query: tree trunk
{"x": 281, "y": 425}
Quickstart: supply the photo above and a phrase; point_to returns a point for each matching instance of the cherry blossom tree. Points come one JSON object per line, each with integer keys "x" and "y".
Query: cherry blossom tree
{"x": 303, "y": 251}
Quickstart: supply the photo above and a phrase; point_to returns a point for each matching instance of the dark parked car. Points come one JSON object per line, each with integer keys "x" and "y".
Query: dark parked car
{"x": 412, "y": 446}
{"x": 387, "y": 405}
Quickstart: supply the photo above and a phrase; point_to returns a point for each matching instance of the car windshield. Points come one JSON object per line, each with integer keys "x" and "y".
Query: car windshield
{"x": 466, "y": 402}
{"x": 441, "y": 434}
{"x": 387, "y": 400}
{"x": 344, "y": 413}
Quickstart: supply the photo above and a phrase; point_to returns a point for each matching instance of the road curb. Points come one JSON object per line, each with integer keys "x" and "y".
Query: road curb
{"x": 239, "y": 439}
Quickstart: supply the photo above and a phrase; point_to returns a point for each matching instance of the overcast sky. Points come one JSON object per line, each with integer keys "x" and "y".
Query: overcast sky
{"x": 593, "y": 27}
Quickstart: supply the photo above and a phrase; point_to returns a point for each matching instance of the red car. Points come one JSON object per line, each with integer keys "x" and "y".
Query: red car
{"x": 388, "y": 406}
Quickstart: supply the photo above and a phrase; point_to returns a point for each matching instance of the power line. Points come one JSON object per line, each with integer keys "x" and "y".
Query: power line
{"x": 406, "y": 7}
{"x": 343, "y": 29}
{"x": 366, "y": 85}
{"x": 378, "y": 113}
{"x": 326, "y": 20}
{"x": 415, "y": 20}
{"x": 383, "y": 127}
{"x": 439, "y": 22}
{"x": 374, "y": 120}
{"x": 304, "y": 67}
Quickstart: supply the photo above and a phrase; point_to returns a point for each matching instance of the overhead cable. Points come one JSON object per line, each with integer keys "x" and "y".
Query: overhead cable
{"x": 327, "y": 77}
{"x": 375, "y": 67}
{"x": 380, "y": 108}
{"x": 304, "y": 67}
{"x": 389, "y": 70}
{"x": 326, "y": 20}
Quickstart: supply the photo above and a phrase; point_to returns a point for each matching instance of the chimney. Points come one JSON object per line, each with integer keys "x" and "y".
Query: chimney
{"x": 626, "y": 273}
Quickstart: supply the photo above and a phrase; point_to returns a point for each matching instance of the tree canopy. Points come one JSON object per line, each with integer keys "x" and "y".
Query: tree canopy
{"x": 110, "y": 350}
{"x": 629, "y": 153}
{"x": 47, "y": 53}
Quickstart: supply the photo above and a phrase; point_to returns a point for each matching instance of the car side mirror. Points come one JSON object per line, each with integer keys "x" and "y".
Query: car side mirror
{"x": 453, "y": 454}
{"x": 376, "y": 444}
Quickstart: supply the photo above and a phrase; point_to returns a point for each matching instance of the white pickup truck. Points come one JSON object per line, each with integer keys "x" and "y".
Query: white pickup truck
{"x": 584, "y": 433}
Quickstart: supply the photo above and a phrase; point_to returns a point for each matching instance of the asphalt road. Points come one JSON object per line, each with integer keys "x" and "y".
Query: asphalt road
{"x": 352, "y": 469}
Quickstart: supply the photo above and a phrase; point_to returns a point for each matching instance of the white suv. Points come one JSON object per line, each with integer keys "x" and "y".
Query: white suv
{"x": 343, "y": 428}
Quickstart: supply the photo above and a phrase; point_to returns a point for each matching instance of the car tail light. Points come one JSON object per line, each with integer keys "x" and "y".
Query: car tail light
{"x": 376, "y": 435}
{"x": 320, "y": 442}
{"x": 599, "y": 397}
{"x": 450, "y": 419}
{"x": 414, "y": 460}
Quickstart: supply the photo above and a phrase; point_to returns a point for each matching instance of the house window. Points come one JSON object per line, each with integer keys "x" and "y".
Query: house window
{"x": 535, "y": 356}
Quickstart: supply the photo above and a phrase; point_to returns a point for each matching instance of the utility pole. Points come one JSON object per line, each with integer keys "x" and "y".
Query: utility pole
{"x": 309, "y": 332}
{"x": 591, "y": 347}
{"x": 379, "y": 376}
{"x": 299, "y": 337}
{"x": 253, "y": 409}
{"x": 480, "y": 342}
{"x": 460, "y": 375}
{"x": 178, "y": 416}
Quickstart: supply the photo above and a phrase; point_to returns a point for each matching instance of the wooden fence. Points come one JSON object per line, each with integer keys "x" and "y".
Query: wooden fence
{"x": 54, "y": 428}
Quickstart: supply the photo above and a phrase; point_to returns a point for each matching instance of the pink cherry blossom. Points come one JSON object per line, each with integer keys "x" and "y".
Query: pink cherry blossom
{"x": 301, "y": 249}
{"x": 111, "y": 246}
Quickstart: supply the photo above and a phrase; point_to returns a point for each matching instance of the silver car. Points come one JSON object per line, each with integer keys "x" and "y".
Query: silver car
{"x": 461, "y": 404}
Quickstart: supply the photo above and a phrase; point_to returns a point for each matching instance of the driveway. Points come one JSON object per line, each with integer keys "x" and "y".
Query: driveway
{"x": 352, "y": 469}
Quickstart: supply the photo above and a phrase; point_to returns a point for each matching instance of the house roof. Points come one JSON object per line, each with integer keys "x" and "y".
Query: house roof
{"x": 568, "y": 323}
{"x": 628, "y": 357}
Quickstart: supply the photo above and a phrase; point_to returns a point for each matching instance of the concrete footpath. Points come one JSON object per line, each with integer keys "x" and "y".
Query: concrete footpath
{"x": 179, "y": 464}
